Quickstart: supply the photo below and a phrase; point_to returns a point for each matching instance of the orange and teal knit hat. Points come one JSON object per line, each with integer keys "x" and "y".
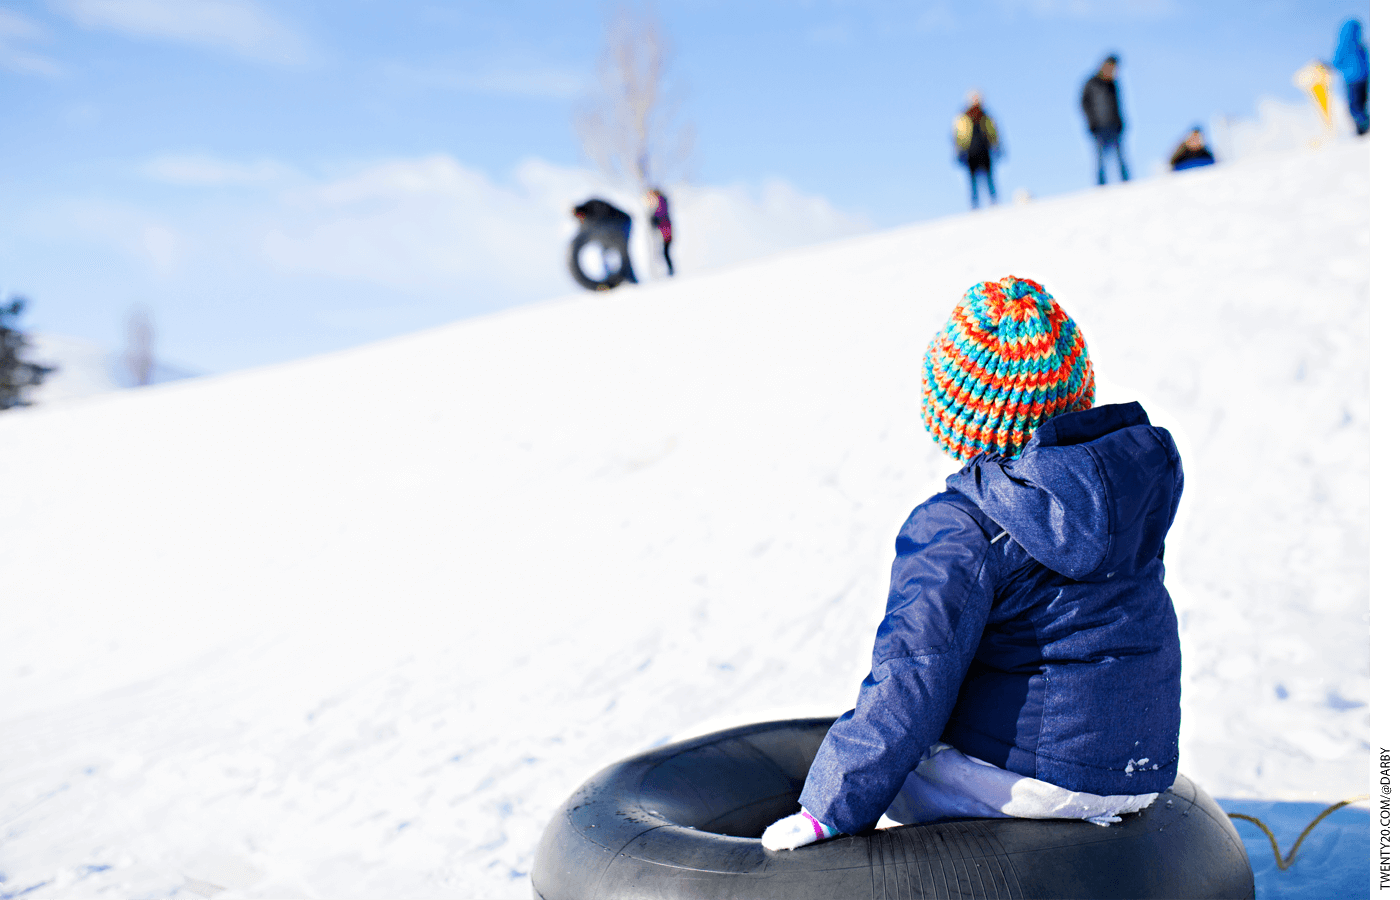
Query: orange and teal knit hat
{"x": 1008, "y": 360}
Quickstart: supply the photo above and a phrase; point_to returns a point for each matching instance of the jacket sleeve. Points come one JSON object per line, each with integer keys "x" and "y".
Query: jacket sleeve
{"x": 940, "y": 596}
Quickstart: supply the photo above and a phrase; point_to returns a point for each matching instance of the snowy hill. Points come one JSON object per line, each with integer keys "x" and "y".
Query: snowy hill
{"x": 84, "y": 368}
{"x": 356, "y": 625}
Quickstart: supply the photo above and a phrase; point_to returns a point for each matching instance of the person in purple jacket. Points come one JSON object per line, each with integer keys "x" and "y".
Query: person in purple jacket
{"x": 661, "y": 221}
{"x": 1028, "y": 664}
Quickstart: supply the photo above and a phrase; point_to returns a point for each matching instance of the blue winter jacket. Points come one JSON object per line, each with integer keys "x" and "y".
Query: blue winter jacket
{"x": 1351, "y": 57}
{"x": 1027, "y": 625}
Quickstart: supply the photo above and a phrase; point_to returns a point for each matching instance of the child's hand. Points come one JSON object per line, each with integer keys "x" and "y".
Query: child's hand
{"x": 796, "y": 831}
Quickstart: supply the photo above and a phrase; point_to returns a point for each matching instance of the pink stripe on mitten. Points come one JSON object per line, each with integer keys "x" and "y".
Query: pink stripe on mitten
{"x": 797, "y": 830}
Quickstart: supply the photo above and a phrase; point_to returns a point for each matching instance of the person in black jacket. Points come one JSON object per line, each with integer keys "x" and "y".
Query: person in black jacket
{"x": 601, "y": 222}
{"x": 1105, "y": 118}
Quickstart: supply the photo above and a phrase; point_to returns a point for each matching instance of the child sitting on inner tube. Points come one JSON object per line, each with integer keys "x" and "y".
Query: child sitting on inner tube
{"x": 1028, "y": 663}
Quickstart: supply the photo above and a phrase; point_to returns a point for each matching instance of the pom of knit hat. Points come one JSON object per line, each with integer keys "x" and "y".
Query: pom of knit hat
{"x": 1008, "y": 359}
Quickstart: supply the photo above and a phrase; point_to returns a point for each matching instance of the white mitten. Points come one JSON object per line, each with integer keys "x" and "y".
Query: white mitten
{"x": 795, "y": 831}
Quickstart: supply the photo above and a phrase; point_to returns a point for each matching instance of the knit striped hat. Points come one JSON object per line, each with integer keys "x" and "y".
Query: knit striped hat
{"x": 1008, "y": 360}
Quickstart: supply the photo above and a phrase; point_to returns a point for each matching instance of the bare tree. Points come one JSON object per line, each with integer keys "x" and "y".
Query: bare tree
{"x": 627, "y": 127}
{"x": 140, "y": 345}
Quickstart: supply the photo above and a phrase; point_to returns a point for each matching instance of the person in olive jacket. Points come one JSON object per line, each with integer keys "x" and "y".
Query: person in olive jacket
{"x": 977, "y": 142}
{"x": 1104, "y": 115}
{"x": 1028, "y": 664}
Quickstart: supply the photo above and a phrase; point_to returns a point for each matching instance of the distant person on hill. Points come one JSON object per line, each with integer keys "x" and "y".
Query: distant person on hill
{"x": 975, "y": 136}
{"x": 1104, "y": 115}
{"x": 661, "y": 221}
{"x": 1192, "y": 153}
{"x": 1353, "y": 61}
{"x": 1028, "y": 665}
{"x": 601, "y": 222}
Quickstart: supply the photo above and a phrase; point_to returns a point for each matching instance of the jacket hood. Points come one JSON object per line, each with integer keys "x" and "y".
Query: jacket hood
{"x": 1093, "y": 493}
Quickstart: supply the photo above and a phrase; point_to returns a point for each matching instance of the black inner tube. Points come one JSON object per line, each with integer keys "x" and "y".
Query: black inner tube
{"x": 606, "y": 239}
{"x": 681, "y": 821}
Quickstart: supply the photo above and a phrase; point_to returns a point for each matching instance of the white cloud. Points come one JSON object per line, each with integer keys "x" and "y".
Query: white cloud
{"x": 161, "y": 246}
{"x": 14, "y": 25}
{"x": 238, "y": 26}
{"x": 420, "y": 224}
{"x": 433, "y": 223}
{"x": 205, "y": 171}
{"x": 559, "y": 84}
{"x": 151, "y": 239}
{"x": 387, "y": 247}
{"x": 727, "y": 225}
{"x": 1281, "y": 126}
{"x": 516, "y": 80}
{"x": 832, "y": 34}
{"x": 938, "y": 17}
{"x": 15, "y": 30}
{"x": 1093, "y": 9}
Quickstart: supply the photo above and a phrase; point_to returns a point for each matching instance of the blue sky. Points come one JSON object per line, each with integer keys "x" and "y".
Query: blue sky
{"x": 275, "y": 179}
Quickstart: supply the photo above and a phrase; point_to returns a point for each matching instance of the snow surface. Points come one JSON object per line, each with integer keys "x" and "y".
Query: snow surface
{"x": 355, "y": 626}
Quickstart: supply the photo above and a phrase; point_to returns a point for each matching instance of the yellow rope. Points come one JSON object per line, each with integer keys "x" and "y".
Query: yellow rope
{"x": 1285, "y": 863}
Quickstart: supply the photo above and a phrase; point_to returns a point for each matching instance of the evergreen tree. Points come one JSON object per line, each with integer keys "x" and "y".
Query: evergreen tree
{"x": 16, "y": 375}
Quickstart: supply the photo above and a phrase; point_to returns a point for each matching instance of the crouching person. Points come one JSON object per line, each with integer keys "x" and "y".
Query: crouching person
{"x": 1028, "y": 664}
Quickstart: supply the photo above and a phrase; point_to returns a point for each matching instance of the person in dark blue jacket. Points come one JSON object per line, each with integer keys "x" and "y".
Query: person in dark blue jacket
{"x": 1192, "y": 153}
{"x": 1352, "y": 60}
{"x": 1028, "y": 663}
